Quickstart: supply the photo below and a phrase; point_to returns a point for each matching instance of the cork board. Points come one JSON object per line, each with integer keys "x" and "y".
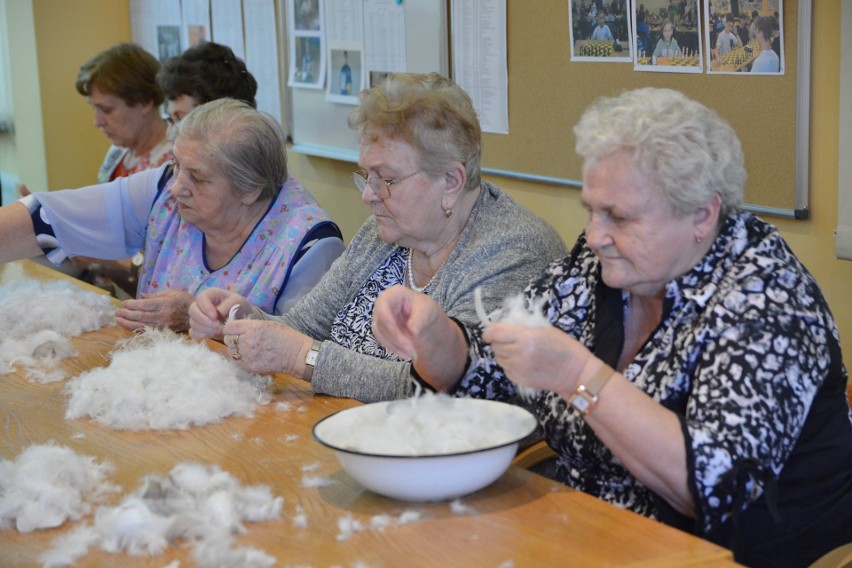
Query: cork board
{"x": 548, "y": 93}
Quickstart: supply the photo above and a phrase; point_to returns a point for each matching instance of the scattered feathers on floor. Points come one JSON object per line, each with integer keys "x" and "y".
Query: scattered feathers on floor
{"x": 36, "y": 321}
{"x": 159, "y": 380}
{"x": 49, "y": 484}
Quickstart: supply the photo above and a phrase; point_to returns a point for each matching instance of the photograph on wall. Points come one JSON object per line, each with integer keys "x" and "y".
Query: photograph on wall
{"x": 197, "y": 35}
{"x": 168, "y": 42}
{"x": 195, "y": 17}
{"x": 378, "y": 77}
{"x": 667, "y": 36}
{"x": 600, "y": 31}
{"x": 306, "y": 15}
{"x": 745, "y": 36}
{"x": 307, "y": 64}
{"x": 306, "y": 44}
{"x": 345, "y": 74}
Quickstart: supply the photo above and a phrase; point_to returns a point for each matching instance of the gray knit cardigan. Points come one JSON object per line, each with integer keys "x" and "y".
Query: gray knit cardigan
{"x": 503, "y": 246}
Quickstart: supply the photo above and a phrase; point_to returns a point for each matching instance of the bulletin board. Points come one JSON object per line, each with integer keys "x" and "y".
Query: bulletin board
{"x": 318, "y": 127}
{"x": 548, "y": 93}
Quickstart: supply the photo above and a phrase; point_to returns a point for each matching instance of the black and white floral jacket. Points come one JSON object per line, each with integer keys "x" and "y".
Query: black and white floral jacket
{"x": 747, "y": 354}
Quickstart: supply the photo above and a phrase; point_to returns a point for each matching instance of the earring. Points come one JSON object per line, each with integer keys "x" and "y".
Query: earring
{"x": 698, "y": 240}
{"x": 448, "y": 213}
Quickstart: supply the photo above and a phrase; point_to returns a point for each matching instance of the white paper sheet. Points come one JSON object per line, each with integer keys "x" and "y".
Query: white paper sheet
{"x": 196, "y": 22}
{"x": 155, "y": 25}
{"x": 227, "y": 16}
{"x": 480, "y": 61}
{"x": 344, "y": 21}
{"x": 384, "y": 36}
{"x": 262, "y": 54}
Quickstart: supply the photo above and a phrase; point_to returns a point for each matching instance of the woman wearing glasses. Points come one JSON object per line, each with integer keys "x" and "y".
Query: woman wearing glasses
{"x": 436, "y": 228}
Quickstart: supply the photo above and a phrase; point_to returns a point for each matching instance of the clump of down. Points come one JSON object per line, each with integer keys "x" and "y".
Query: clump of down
{"x": 159, "y": 380}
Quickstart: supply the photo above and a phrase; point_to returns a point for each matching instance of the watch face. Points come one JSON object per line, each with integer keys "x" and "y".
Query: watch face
{"x": 312, "y": 357}
{"x": 581, "y": 403}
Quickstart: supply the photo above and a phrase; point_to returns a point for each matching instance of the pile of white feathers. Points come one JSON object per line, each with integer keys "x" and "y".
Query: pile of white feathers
{"x": 37, "y": 320}
{"x": 160, "y": 380}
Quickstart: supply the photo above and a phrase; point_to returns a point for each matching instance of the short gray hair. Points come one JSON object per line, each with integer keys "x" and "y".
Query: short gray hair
{"x": 429, "y": 112}
{"x": 246, "y": 144}
{"x": 687, "y": 149}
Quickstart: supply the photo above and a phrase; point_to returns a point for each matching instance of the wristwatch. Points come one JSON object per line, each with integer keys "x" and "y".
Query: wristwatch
{"x": 311, "y": 360}
{"x": 586, "y": 397}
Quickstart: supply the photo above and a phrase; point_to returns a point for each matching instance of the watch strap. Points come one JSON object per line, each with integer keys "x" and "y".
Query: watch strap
{"x": 586, "y": 397}
{"x": 311, "y": 360}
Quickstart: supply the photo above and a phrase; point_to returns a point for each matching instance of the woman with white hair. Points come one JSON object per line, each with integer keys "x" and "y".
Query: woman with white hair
{"x": 691, "y": 371}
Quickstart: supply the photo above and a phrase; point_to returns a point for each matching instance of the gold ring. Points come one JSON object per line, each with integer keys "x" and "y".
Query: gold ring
{"x": 236, "y": 356}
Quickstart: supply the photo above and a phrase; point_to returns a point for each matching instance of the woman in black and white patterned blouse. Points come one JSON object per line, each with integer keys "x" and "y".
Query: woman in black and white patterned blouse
{"x": 692, "y": 369}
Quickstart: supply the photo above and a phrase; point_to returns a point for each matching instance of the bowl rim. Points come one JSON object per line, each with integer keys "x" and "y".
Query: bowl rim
{"x": 350, "y": 451}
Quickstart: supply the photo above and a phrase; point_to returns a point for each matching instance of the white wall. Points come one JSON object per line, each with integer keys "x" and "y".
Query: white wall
{"x": 23, "y": 153}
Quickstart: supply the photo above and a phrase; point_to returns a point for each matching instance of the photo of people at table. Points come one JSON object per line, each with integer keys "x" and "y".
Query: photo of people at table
{"x": 667, "y": 36}
{"x": 600, "y": 30}
{"x": 745, "y": 36}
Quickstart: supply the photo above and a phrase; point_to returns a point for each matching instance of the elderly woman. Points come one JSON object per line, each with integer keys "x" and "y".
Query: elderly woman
{"x": 199, "y": 75}
{"x": 691, "y": 371}
{"x": 436, "y": 228}
{"x": 202, "y": 74}
{"x": 226, "y": 214}
{"x": 120, "y": 84}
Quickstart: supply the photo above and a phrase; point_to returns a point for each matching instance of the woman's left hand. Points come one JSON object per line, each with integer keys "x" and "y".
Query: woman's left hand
{"x": 266, "y": 346}
{"x": 543, "y": 358}
{"x": 169, "y": 309}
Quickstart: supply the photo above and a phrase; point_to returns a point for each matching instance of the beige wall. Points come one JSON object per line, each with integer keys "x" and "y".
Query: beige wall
{"x": 76, "y": 148}
{"x": 56, "y": 144}
{"x": 68, "y": 32}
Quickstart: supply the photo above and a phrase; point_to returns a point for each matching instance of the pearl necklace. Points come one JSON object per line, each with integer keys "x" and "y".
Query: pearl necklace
{"x": 411, "y": 283}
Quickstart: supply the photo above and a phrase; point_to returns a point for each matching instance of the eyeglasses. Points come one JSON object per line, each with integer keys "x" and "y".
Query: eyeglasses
{"x": 380, "y": 186}
{"x": 172, "y": 120}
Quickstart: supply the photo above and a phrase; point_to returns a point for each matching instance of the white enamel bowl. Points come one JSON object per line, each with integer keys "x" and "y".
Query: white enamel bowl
{"x": 483, "y": 438}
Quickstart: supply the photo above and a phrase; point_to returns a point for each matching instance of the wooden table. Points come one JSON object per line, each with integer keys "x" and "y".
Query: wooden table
{"x": 522, "y": 518}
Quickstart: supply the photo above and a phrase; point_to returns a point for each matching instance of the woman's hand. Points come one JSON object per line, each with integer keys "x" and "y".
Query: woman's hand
{"x": 266, "y": 346}
{"x": 169, "y": 309}
{"x": 209, "y": 312}
{"x": 413, "y": 326}
{"x": 543, "y": 358}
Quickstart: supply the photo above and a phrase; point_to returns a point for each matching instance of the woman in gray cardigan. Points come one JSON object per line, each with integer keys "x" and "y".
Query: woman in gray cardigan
{"x": 436, "y": 228}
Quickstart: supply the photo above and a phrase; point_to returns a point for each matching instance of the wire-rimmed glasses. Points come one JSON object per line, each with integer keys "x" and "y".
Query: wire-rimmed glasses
{"x": 380, "y": 186}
